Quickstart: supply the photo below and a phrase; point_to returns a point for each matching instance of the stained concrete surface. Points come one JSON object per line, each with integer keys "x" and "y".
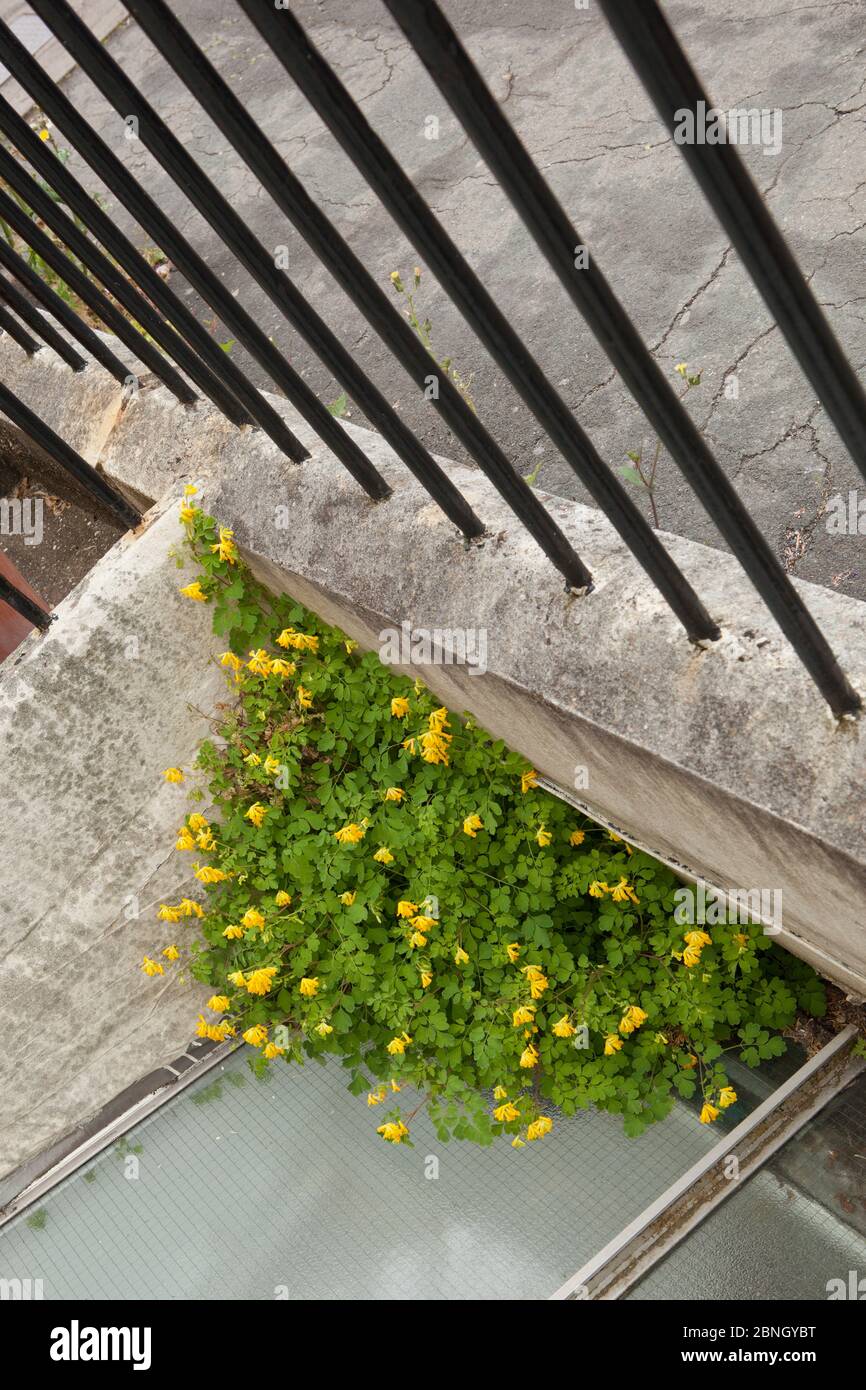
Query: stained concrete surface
{"x": 582, "y": 113}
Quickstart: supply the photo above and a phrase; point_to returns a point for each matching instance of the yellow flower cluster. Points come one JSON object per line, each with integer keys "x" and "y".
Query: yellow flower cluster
{"x": 695, "y": 943}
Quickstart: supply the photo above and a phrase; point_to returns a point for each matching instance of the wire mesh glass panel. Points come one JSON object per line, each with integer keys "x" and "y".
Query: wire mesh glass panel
{"x": 248, "y": 1189}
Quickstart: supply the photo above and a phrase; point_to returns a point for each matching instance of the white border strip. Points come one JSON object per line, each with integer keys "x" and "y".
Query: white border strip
{"x": 94, "y": 1143}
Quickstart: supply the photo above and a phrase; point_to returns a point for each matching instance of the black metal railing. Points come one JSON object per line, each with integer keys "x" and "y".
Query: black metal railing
{"x": 187, "y": 348}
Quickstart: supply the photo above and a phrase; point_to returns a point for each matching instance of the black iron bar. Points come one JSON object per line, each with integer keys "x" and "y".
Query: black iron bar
{"x": 65, "y": 456}
{"x": 57, "y": 307}
{"x": 91, "y": 215}
{"x": 117, "y": 285}
{"x": 148, "y": 215}
{"x": 16, "y": 332}
{"x": 176, "y": 46}
{"x": 347, "y": 123}
{"x": 86, "y": 290}
{"x": 39, "y": 324}
{"x": 23, "y": 604}
{"x": 204, "y": 195}
{"x": 674, "y": 86}
{"x": 449, "y": 65}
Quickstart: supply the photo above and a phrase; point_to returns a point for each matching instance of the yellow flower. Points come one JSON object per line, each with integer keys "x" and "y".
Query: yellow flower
{"x": 531, "y": 972}
{"x": 205, "y": 839}
{"x": 598, "y": 888}
{"x": 426, "y": 979}
{"x": 167, "y": 913}
{"x": 393, "y": 1084}
{"x": 383, "y": 855}
{"x": 283, "y": 899}
{"x": 253, "y": 760}
{"x": 218, "y": 1032}
{"x": 529, "y": 1056}
{"x": 632, "y": 1019}
{"x": 252, "y": 919}
{"x": 612, "y": 1044}
{"x": 438, "y": 720}
{"x": 563, "y": 1028}
{"x": 184, "y": 840}
{"x": 151, "y": 967}
{"x": 257, "y": 813}
{"x": 171, "y": 952}
{"x": 233, "y": 933}
{"x": 504, "y": 1114}
{"x": 708, "y": 1113}
{"x": 727, "y": 1096}
{"x": 225, "y": 546}
{"x": 394, "y": 794}
{"x": 394, "y": 1132}
{"x": 259, "y": 663}
{"x": 422, "y": 923}
{"x": 272, "y": 765}
{"x": 347, "y": 899}
{"x": 230, "y": 661}
{"x": 399, "y": 707}
{"x": 417, "y": 939}
{"x": 460, "y": 956}
{"x": 187, "y": 514}
{"x": 528, "y": 780}
{"x": 44, "y": 134}
{"x": 512, "y": 951}
{"x": 472, "y": 825}
{"x": 376, "y": 1097}
{"x": 697, "y": 939}
{"x": 691, "y": 955}
{"x": 350, "y": 834}
{"x": 323, "y": 1029}
{"x": 173, "y": 774}
{"x": 202, "y": 1027}
{"x": 682, "y": 368}
{"x": 219, "y": 1003}
{"x": 397, "y": 1046}
{"x": 271, "y": 1051}
{"x": 237, "y": 978}
{"x": 305, "y": 697}
{"x": 524, "y": 1014}
{"x": 195, "y": 591}
{"x": 577, "y": 837}
{"x": 260, "y": 981}
{"x": 537, "y": 985}
{"x": 543, "y": 837}
{"x": 537, "y": 1130}
{"x": 500, "y": 1093}
{"x": 206, "y": 874}
{"x": 623, "y": 891}
{"x": 742, "y": 940}
{"x": 409, "y": 745}
{"x": 255, "y": 1036}
{"x": 198, "y": 822}
{"x": 406, "y": 909}
{"x": 190, "y": 490}
{"x": 434, "y": 748}
{"x": 309, "y": 986}
{"x": 517, "y": 1143}
{"x": 280, "y": 667}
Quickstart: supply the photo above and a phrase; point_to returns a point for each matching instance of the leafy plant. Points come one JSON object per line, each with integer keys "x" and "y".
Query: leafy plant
{"x": 424, "y": 329}
{"x": 385, "y": 883}
{"x": 641, "y": 470}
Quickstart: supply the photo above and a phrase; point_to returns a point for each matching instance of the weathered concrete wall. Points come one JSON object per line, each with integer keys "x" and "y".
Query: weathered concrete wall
{"x": 90, "y": 715}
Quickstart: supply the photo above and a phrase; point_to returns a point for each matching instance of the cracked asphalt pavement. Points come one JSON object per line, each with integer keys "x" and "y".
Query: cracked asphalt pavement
{"x": 581, "y": 111}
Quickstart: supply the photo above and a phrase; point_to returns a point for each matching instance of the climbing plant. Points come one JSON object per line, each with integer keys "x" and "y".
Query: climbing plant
{"x": 385, "y": 883}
